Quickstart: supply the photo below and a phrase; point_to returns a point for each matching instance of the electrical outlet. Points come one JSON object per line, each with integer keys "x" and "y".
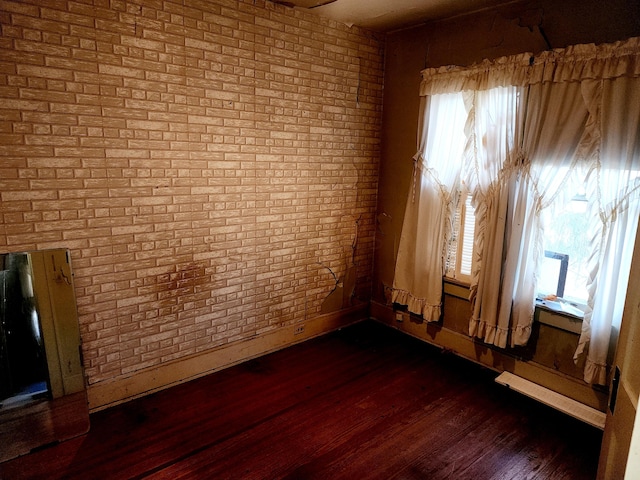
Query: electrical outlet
{"x": 298, "y": 329}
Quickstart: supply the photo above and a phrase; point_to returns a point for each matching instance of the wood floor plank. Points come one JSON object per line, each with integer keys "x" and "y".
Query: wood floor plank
{"x": 365, "y": 403}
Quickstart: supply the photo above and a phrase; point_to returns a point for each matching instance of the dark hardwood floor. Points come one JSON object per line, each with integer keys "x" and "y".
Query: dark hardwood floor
{"x": 363, "y": 403}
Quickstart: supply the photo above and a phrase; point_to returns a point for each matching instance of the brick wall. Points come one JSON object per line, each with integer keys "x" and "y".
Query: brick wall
{"x": 211, "y": 165}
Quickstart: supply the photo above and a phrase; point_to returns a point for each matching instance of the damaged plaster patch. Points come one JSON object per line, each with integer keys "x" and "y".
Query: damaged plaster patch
{"x": 384, "y": 235}
{"x": 497, "y": 34}
{"x": 383, "y": 221}
{"x": 344, "y": 287}
{"x": 525, "y": 29}
{"x": 340, "y": 296}
{"x": 345, "y": 185}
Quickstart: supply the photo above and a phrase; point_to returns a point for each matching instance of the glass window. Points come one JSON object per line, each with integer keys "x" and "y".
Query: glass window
{"x": 566, "y": 244}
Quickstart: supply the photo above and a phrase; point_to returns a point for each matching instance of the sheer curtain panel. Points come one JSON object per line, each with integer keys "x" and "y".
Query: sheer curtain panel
{"x": 493, "y": 167}
{"x": 615, "y": 187}
{"x": 427, "y": 222}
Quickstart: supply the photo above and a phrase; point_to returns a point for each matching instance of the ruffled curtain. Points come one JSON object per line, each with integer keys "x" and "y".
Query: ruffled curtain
{"x": 554, "y": 142}
{"x": 532, "y": 124}
{"x": 427, "y": 222}
{"x": 614, "y": 182}
{"x": 493, "y": 167}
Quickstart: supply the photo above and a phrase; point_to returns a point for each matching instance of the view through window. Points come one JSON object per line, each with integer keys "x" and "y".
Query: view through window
{"x": 566, "y": 233}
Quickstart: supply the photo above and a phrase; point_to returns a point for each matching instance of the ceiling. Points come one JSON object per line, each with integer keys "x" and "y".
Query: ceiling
{"x": 388, "y": 15}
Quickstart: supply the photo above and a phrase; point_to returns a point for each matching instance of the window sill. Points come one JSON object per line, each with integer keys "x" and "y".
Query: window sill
{"x": 456, "y": 288}
{"x": 560, "y": 306}
{"x": 558, "y": 319}
{"x": 543, "y": 314}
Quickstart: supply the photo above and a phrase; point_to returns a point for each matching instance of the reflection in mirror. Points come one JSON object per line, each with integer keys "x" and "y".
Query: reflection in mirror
{"x": 42, "y": 389}
{"x": 23, "y": 367}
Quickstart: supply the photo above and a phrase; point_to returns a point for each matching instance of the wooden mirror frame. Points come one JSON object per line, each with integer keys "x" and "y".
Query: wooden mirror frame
{"x": 64, "y": 414}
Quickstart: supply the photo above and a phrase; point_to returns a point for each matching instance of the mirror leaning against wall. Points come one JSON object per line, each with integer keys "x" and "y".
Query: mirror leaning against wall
{"x": 42, "y": 387}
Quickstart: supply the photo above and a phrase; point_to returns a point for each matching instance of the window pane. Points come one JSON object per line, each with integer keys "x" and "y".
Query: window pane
{"x": 565, "y": 232}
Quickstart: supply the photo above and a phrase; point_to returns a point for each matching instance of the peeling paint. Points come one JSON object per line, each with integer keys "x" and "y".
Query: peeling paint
{"x": 388, "y": 293}
{"x": 342, "y": 293}
{"x": 504, "y": 29}
{"x": 384, "y": 223}
{"x": 340, "y": 296}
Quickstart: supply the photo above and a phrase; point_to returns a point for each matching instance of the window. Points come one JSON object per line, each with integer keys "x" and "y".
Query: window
{"x": 567, "y": 250}
{"x": 563, "y": 273}
{"x": 460, "y": 251}
{"x": 523, "y": 132}
{"x": 553, "y": 276}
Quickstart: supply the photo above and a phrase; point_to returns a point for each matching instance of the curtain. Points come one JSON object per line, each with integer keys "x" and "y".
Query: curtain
{"x": 427, "y": 221}
{"x": 553, "y": 145}
{"x": 493, "y": 166}
{"x": 531, "y": 125}
{"x": 615, "y": 186}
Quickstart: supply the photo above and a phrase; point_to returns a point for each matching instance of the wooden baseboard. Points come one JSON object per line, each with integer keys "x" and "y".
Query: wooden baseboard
{"x": 121, "y": 389}
{"x": 492, "y": 358}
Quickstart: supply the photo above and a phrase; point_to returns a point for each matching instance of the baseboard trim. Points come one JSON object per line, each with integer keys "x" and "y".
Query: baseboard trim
{"x": 489, "y": 357}
{"x": 124, "y": 388}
